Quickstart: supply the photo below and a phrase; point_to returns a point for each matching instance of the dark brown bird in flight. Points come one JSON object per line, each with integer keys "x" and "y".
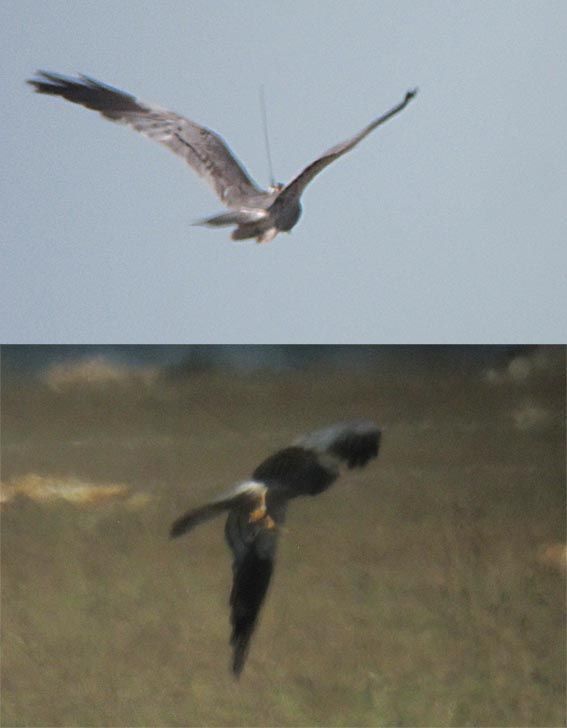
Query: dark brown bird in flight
{"x": 257, "y": 508}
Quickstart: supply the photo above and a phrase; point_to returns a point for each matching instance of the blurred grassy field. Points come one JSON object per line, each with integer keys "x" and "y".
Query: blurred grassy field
{"x": 415, "y": 592}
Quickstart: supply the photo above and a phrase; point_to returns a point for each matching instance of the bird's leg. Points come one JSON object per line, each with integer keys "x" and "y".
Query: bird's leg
{"x": 260, "y": 513}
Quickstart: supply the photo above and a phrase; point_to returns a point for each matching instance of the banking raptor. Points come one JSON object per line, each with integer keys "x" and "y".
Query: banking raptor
{"x": 257, "y": 508}
{"x": 255, "y": 213}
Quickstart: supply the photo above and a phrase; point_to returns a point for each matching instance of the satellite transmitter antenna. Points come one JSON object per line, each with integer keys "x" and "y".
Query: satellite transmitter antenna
{"x": 266, "y": 137}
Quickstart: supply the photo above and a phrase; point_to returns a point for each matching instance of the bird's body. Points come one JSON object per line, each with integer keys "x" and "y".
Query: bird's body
{"x": 257, "y": 509}
{"x": 255, "y": 213}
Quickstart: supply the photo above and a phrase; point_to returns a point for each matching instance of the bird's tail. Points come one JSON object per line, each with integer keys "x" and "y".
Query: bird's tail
{"x": 245, "y": 231}
{"x": 233, "y": 217}
{"x": 223, "y": 220}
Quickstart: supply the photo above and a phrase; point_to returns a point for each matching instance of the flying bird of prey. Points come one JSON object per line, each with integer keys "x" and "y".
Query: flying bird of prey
{"x": 257, "y": 508}
{"x": 255, "y": 212}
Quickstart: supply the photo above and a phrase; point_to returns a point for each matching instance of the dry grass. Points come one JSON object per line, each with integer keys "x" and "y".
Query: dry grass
{"x": 414, "y": 593}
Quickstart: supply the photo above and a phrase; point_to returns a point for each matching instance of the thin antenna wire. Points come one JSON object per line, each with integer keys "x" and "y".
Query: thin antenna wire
{"x": 266, "y": 137}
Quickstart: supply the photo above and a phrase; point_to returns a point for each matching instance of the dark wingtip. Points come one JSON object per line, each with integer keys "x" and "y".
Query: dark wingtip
{"x": 359, "y": 448}
{"x": 86, "y": 91}
{"x": 37, "y": 83}
{"x": 411, "y": 93}
{"x": 179, "y": 527}
{"x": 46, "y": 80}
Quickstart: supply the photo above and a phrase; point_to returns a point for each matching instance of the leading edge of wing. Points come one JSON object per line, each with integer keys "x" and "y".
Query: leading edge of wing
{"x": 248, "y": 491}
{"x": 204, "y": 150}
{"x": 295, "y": 187}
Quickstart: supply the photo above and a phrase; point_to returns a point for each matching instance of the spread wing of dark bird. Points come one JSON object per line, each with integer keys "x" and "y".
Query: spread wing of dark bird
{"x": 257, "y": 509}
{"x": 255, "y": 213}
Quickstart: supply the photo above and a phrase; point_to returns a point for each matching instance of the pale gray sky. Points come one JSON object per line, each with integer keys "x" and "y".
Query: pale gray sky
{"x": 446, "y": 225}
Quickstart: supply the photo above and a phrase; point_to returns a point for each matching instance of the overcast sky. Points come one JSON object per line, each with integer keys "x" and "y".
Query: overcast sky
{"x": 446, "y": 225}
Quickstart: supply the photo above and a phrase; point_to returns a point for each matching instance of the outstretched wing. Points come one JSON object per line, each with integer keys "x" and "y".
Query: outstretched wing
{"x": 204, "y": 150}
{"x": 296, "y": 470}
{"x": 252, "y": 535}
{"x": 242, "y": 495}
{"x": 352, "y": 443}
{"x": 295, "y": 188}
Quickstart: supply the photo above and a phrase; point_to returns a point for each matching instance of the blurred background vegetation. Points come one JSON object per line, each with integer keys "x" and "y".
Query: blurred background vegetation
{"x": 428, "y": 589}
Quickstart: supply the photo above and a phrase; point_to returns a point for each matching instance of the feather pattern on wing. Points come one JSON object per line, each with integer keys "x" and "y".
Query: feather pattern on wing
{"x": 255, "y": 213}
{"x": 204, "y": 150}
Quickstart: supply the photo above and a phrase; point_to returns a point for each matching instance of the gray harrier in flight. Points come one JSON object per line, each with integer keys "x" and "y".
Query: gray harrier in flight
{"x": 256, "y": 510}
{"x": 255, "y": 212}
